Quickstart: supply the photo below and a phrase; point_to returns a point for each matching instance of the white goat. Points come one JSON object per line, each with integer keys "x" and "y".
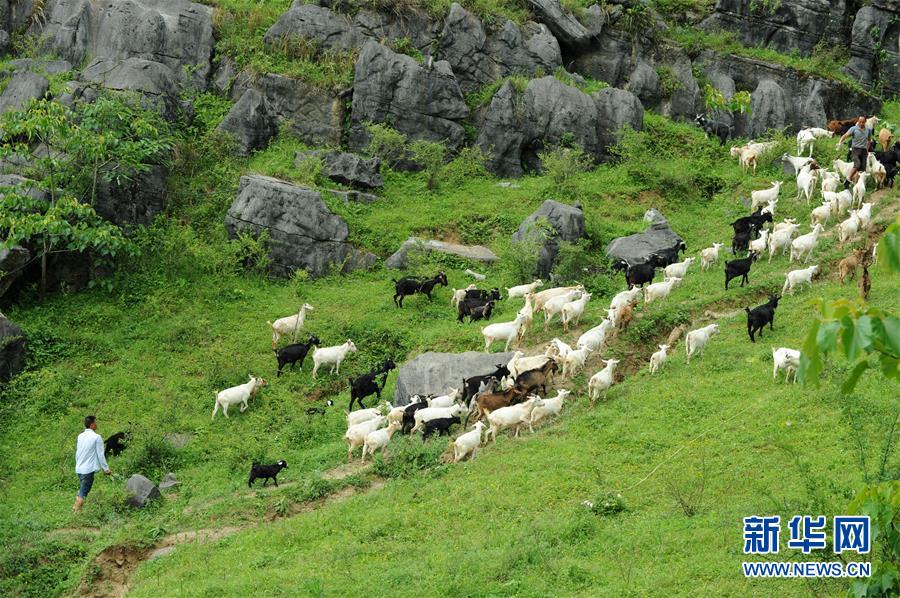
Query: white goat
{"x": 786, "y": 223}
{"x": 805, "y": 139}
{"x": 759, "y": 245}
{"x": 502, "y": 331}
{"x": 848, "y": 228}
{"x": 877, "y": 170}
{"x": 289, "y": 325}
{"x": 764, "y": 196}
{"x": 379, "y": 439}
{"x": 660, "y": 290}
{"x": 709, "y": 256}
{"x": 820, "y": 214}
{"x": 797, "y": 278}
{"x": 697, "y": 339}
{"x": 513, "y": 416}
{"x": 558, "y": 349}
{"x": 785, "y": 359}
{"x": 519, "y": 363}
{"x": 864, "y": 213}
{"x": 527, "y": 314}
{"x": 625, "y": 297}
{"x": 805, "y": 244}
{"x": 678, "y": 269}
{"x": 797, "y": 162}
{"x": 523, "y": 289}
{"x": 859, "y": 189}
{"x": 574, "y": 361}
{"x": 356, "y": 435}
{"x": 843, "y": 169}
{"x": 602, "y": 380}
{"x": 658, "y": 359}
{"x": 806, "y": 183}
{"x": 554, "y": 305}
{"x": 237, "y": 394}
{"x": 550, "y": 406}
{"x": 447, "y": 400}
{"x": 333, "y": 355}
{"x": 781, "y": 239}
{"x": 594, "y": 338}
{"x": 429, "y": 413}
{"x": 571, "y": 311}
{"x": 541, "y": 297}
{"x": 840, "y": 202}
{"x": 468, "y": 443}
{"x": 361, "y": 415}
{"x": 831, "y": 181}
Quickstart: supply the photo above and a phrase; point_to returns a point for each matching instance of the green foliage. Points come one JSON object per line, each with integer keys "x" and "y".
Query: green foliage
{"x": 669, "y": 83}
{"x": 857, "y": 331}
{"x": 485, "y": 94}
{"x": 408, "y": 457}
{"x": 404, "y": 45}
{"x": 682, "y": 11}
{"x": 430, "y": 155}
{"x": 309, "y": 170}
{"x": 638, "y": 21}
{"x": 251, "y": 251}
{"x": 469, "y": 164}
{"x": 148, "y": 454}
{"x": 768, "y": 6}
{"x": 882, "y": 504}
{"x": 562, "y": 165}
{"x": 585, "y": 84}
{"x": 521, "y": 257}
{"x": 386, "y": 143}
{"x": 715, "y": 101}
{"x": 608, "y": 504}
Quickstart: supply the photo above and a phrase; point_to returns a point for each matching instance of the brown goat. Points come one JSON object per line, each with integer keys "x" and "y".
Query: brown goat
{"x": 625, "y": 315}
{"x": 839, "y": 127}
{"x": 849, "y": 264}
{"x": 491, "y": 401}
{"x": 533, "y": 379}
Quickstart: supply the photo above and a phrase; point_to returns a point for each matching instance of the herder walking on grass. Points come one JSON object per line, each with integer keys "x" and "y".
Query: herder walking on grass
{"x": 859, "y": 147}
{"x": 89, "y": 459}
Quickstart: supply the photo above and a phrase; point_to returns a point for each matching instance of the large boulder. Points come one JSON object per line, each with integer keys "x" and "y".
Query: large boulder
{"x": 136, "y": 201}
{"x": 12, "y": 262}
{"x": 875, "y": 47}
{"x": 501, "y": 134}
{"x": 12, "y": 349}
{"x": 421, "y": 102}
{"x": 251, "y": 122}
{"x": 23, "y": 86}
{"x": 475, "y": 253}
{"x": 347, "y": 169}
{"x": 566, "y": 224}
{"x": 141, "y": 490}
{"x": 436, "y": 373}
{"x": 329, "y": 30}
{"x": 564, "y": 25}
{"x": 769, "y": 108}
{"x": 303, "y": 232}
{"x": 635, "y": 249}
{"x": 616, "y": 108}
{"x": 175, "y": 33}
{"x": 154, "y": 80}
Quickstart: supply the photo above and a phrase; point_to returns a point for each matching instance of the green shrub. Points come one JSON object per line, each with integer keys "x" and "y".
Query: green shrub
{"x": 562, "y": 165}
{"x": 607, "y": 504}
{"x": 148, "y": 454}
{"x": 410, "y": 456}
{"x": 430, "y": 155}
{"x": 467, "y": 165}
{"x": 385, "y": 143}
{"x": 669, "y": 83}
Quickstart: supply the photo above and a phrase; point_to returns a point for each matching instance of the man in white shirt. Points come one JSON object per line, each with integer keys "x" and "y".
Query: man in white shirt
{"x": 89, "y": 459}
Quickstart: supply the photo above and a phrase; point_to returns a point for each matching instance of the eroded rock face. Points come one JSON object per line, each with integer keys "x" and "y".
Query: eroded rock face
{"x": 23, "y": 86}
{"x": 566, "y": 224}
{"x": 12, "y": 349}
{"x": 347, "y": 169}
{"x": 251, "y": 121}
{"x": 133, "y": 202}
{"x": 501, "y": 134}
{"x": 421, "y": 102}
{"x": 174, "y": 33}
{"x": 303, "y": 232}
{"x": 12, "y": 261}
{"x": 436, "y": 373}
{"x": 875, "y": 47}
{"x": 616, "y": 108}
{"x": 567, "y": 29}
{"x": 329, "y": 30}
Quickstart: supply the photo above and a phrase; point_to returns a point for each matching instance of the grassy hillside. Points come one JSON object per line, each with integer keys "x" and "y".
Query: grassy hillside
{"x": 186, "y": 319}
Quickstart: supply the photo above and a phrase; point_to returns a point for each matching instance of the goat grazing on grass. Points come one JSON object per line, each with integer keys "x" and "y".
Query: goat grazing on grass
{"x": 697, "y": 339}
{"x": 710, "y": 256}
{"x": 805, "y": 244}
{"x": 411, "y": 286}
{"x": 333, "y": 355}
{"x": 571, "y": 311}
{"x": 291, "y": 354}
{"x": 289, "y": 325}
{"x": 759, "y": 316}
{"x": 550, "y": 406}
{"x": 116, "y": 443}
{"x": 741, "y": 268}
{"x": 356, "y": 434}
{"x": 848, "y": 265}
{"x": 538, "y": 378}
{"x": 488, "y": 402}
{"x": 513, "y": 416}
{"x": 265, "y": 473}
{"x": 366, "y": 384}
{"x": 504, "y": 331}
{"x": 237, "y": 394}
{"x": 785, "y": 359}
{"x": 594, "y": 338}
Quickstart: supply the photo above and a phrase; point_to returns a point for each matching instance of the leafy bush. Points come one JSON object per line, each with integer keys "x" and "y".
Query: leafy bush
{"x": 521, "y": 258}
{"x": 562, "y": 165}
{"x": 467, "y": 165}
{"x": 149, "y": 454}
{"x": 430, "y": 156}
{"x": 669, "y": 83}
{"x": 410, "y": 456}
{"x": 882, "y": 504}
{"x": 386, "y": 143}
{"x": 607, "y": 504}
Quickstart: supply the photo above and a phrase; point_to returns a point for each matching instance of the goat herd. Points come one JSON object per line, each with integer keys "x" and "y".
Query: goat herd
{"x": 515, "y": 393}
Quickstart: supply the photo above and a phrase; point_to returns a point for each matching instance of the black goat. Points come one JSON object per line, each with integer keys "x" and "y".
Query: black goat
{"x": 265, "y": 473}
{"x": 641, "y": 274}
{"x": 714, "y": 128}
{"x": 366, "y": 385}
{"x": 752, "y": 223}
{"x": 741, "y": 241}
{"x": 291, "y": 354}
{"x": 409, "y": 415}
{"x": 466, "y": 306}
{"x": 740, "y": 267}
{"x": 758, "y": 317}
{"x": 116, "y": 443}
{"x": 670, "y": 256}
{"x": 471, "y": 385}
{"x": 492, "y": 295}
{"x": 891, "y": 160}
{"x": 483, "y": 312}
{"x": 411, "y": 286}
{"x": 441, "y": 425}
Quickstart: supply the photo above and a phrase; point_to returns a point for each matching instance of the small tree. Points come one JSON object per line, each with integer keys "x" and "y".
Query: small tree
{"x": 430, "y": 156}
{"x": 562, "y": 165}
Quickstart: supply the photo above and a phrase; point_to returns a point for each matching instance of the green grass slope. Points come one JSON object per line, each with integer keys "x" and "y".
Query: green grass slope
{"x": 184, "y": 320}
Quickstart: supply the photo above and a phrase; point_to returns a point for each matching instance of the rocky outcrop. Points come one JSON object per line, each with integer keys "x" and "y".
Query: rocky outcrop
{"x": 251, "y": 122}
{"x": 436, "y": 373}
{"x": 176, "y": 34}
{"x": 781, "y": 96}
{"x": 347, "y": 169}
{"x": 635, "y": 249}
{"x": 421, "y": 102}
{"x": 566, "y": 224}
{"x": 141, "y": 491}
{"x": 478, "y": 58}
{"x": 553, "y": 111}
{"x": 476, "y": 253}
{"x": 501, "y": 135}
{"x": 153, "y": 80}
{"x": 796, "y": 26}
{"x": 133, "y": 202}
{"x": 570, "y": 33}
{"x": 12, "y": 349}
{"x": 875, "y": 47}
{"x": 23, "y": 86}
{"x": 303, "y": 232}
{"x": 12, "y": 262}
{"x": 616, "y": 108}
{"x": 326, "y": 29}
